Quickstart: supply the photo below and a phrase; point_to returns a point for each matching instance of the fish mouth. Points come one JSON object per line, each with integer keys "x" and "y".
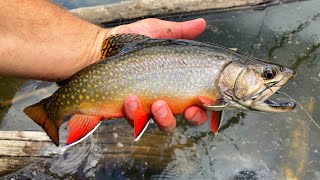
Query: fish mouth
{"x": 261, "y": 101}
{"x": 282, "y": 106}
{"x": 272, "y": 106}
{"x": 268, "y": 105}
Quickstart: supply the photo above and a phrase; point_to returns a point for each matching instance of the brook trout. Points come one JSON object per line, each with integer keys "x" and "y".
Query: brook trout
{"x": 181, "y": 72}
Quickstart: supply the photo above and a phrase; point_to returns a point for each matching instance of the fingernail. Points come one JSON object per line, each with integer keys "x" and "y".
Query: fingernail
{"x": 133, "y": 105}
{"x": 162, "y": 112}
{"x": 197, "y": 117}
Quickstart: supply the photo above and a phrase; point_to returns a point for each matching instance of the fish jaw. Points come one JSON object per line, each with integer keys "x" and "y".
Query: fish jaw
{"x": 261, "y": 102}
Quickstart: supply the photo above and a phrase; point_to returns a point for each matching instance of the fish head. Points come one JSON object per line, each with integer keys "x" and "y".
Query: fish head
{"x": 252, "y": 82}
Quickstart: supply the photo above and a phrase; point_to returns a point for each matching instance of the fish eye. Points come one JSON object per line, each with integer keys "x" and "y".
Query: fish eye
{"x": 269, "y": 72}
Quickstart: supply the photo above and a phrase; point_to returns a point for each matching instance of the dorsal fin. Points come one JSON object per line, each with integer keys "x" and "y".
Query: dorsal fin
{"x": 120, "y": 43}
{"x": 63, "y": 82}
{"x": 124, "y": 43}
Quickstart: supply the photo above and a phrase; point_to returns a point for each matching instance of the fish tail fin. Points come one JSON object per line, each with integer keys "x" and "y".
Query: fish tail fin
{"x": 39, "y": 115}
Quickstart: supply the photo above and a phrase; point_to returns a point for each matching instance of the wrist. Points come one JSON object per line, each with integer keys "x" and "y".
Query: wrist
{"x": 93, "y": 52}
{"x": 45, "y": 42}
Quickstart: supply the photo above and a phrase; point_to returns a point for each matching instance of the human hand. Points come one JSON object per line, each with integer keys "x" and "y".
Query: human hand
{"x": 162, "y": 114}
{"x": 55, "y": 54}
{"x": 156, "y": 28}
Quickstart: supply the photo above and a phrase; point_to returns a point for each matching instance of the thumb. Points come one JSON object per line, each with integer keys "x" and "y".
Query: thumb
{"x": 156, "y": 28}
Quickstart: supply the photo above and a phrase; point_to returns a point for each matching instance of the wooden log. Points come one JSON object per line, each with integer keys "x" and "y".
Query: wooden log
{"x": 136, "y": 9}
{"x": 20, "y": 148}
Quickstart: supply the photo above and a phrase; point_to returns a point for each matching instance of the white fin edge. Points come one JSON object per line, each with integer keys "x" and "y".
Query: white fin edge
{"x": 84, "y": 137}
{"x": 221, "y": 117}
{"x": 143, "y": 130}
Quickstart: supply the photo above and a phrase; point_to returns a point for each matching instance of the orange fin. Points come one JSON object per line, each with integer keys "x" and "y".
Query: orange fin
{"x": 215, "y": 121}
{"x": 39, "y": 115}
{"x": 80, "y": 126}
{"x": 141, "y": 122}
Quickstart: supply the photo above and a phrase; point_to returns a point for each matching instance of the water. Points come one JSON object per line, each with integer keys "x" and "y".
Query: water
{"x": 250, "y": 145}
{"x": 71, "y": 4}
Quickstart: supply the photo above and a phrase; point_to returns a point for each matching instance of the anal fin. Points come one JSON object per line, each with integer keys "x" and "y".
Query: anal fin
{"x": 215, "y": 121}
{"x": 80, "y": 126}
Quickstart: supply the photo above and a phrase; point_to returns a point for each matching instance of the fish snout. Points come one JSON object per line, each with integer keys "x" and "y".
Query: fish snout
{"x": 289, "y": 72}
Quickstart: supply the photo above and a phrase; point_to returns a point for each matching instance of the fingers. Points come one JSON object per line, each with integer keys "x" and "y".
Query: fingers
{"x": 195, "y": 115}
{"x": 157, "y": 28}
{"x": 163, "y": 116}
{"x": 131, "y": 104}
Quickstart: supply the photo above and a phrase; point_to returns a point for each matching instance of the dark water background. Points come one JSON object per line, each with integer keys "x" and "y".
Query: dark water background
{"x": 251, "y": 145}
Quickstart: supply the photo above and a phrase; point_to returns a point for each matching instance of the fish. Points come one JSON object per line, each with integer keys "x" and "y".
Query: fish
{"x": 180, "y": 72}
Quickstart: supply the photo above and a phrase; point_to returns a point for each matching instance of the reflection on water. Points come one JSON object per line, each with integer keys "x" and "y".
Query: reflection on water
{"x": 71, "y": 4}
{"x": 250, "y": 145}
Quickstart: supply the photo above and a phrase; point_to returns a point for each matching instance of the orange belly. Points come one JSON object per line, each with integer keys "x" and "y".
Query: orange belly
{"x": 115, "y": 109}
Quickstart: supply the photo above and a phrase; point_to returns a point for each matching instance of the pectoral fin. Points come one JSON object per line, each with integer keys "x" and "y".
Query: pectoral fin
{"x": 212, "y": 105}
{"x": 81, "y": 126}
{"x": 215, "y": 107}
{"x": 215, "y": 121}
{"x": 216, "y": 114}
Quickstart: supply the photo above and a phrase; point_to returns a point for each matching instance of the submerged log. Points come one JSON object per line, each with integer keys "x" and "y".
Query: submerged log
{"x": 20, "y": 148}
{"x": 112, "y": 143}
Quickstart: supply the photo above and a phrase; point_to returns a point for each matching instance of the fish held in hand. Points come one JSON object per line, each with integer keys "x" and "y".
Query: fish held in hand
{"x": 181, "y": 72}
